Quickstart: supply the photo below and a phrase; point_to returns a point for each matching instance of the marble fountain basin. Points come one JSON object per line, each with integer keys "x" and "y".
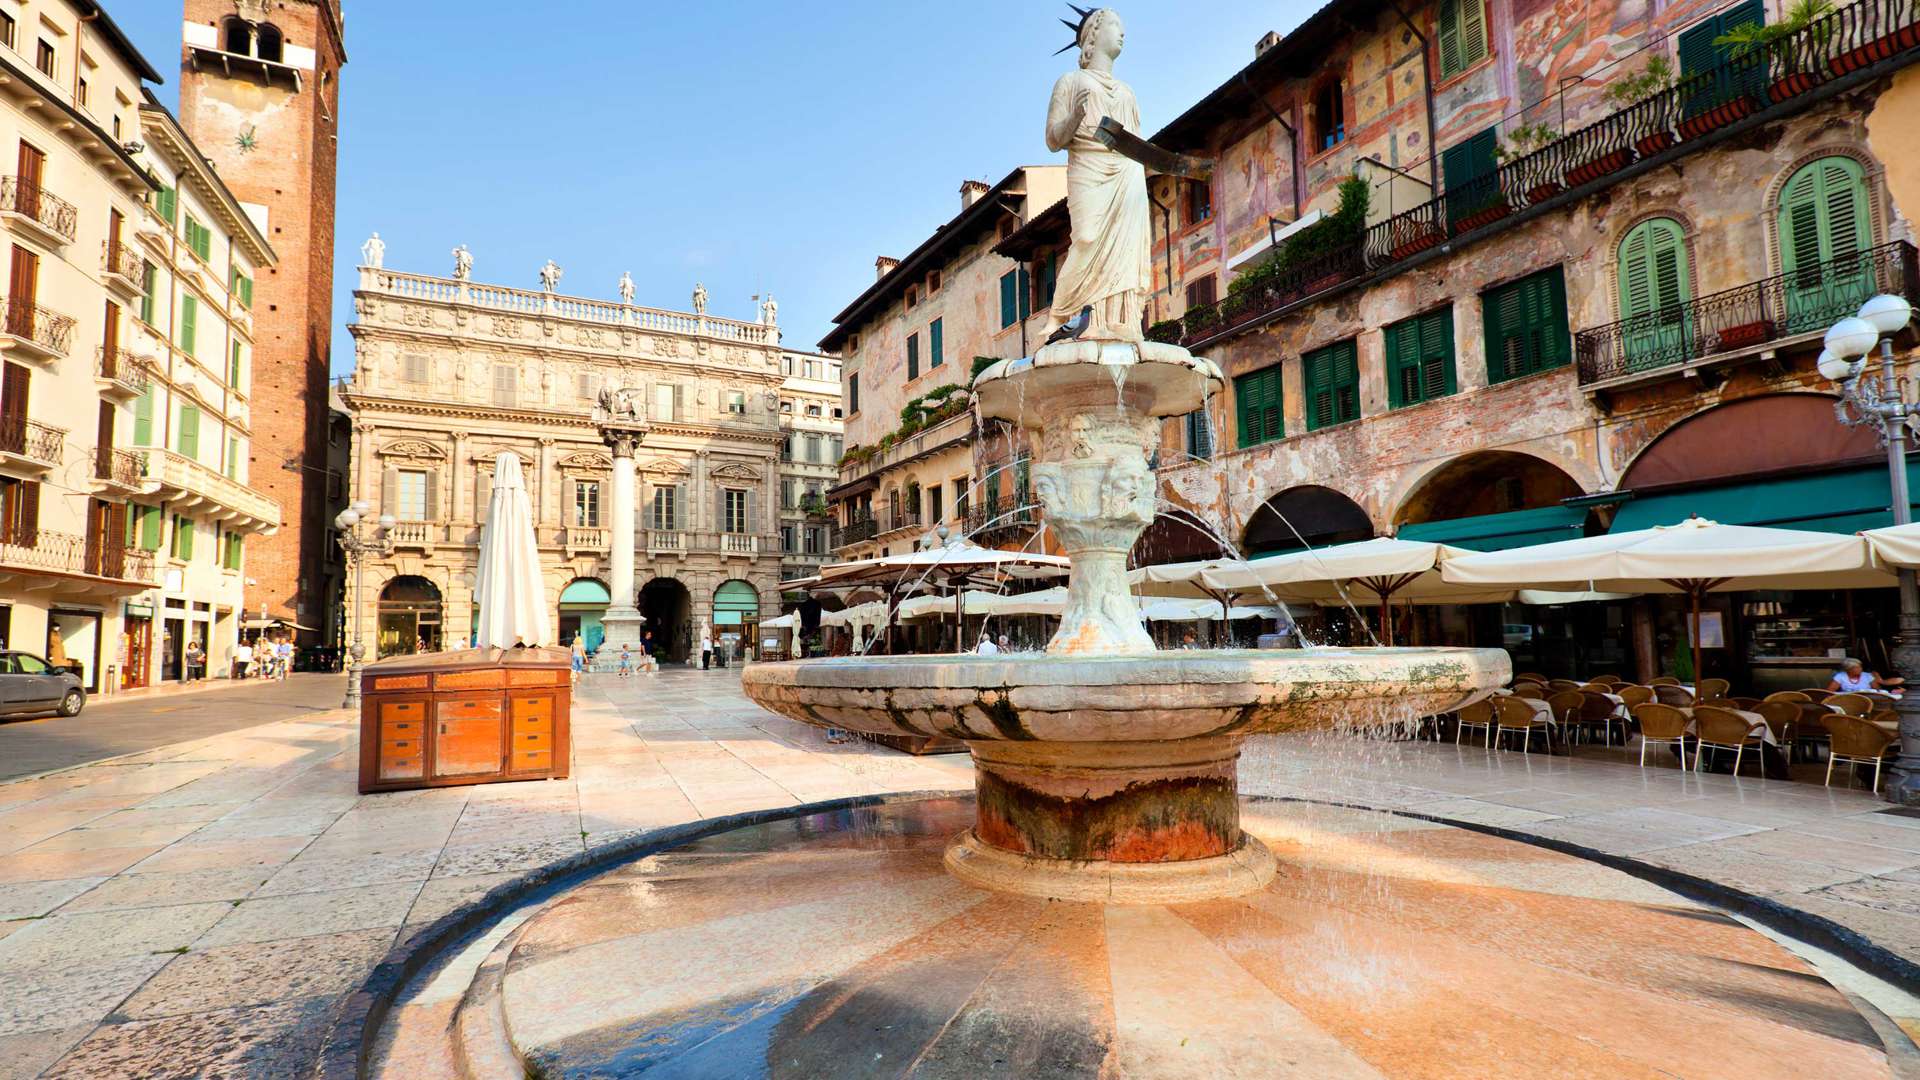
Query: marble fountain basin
{"x": 1115, "y": 777}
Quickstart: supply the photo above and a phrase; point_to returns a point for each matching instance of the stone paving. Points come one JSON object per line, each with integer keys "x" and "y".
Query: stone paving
{"x": 201, "y": 908}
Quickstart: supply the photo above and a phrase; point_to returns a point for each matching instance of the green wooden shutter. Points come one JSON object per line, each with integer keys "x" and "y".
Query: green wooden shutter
{"x": 1824, "y": 221}
{"x": 165, "y": 202}
{"x": 1653, "y": 285}
{"x": 182, "y": 538}
{"x": 1525, "y": 326}
{"x": 934, "y": 356}
{"x": 1023, "y": 288}
{"x": 189, "y": 442}
{"x": 146, "y": 294}
{"x": 149, "y": 527}
{"x": 1472, "y": 174}
{"x": 143, "y": 418}
{"x": 913, "y": 356}
{"x": 189, "y": 319}
{"x": 1450, "y": 38}
{"x": 1709, "y": 73}
{"x": 1420, "y": 358}
{"x": 1258, "y": 405}
{"x": 1333, "y": 385}
{"x": 1463, "y": 35}
{"x": 1009, "y": 299}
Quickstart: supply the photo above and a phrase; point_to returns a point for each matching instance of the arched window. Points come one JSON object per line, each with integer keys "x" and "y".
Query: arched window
{"x": 1823, "y": 222}
{"x": 1653, "y": 285}
{"x": 270, "y": 44}
{"x": 236, "y": 36}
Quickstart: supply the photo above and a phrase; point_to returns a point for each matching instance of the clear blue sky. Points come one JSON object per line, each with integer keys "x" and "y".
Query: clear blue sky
{"x": 752, "y": 146}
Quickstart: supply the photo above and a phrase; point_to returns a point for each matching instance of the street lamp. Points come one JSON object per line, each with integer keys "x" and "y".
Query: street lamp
{"x": 1865, "y": 402}
{"x": 355, "y": 547}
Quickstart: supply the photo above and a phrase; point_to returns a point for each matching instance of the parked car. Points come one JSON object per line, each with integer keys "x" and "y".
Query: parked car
{"x": 28, "y": 684}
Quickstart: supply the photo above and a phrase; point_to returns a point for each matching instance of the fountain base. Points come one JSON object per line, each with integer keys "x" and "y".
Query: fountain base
{"x": 1248, "y": 867}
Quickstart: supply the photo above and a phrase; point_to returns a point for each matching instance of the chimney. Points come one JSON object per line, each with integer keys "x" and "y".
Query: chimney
{"x": 970, "y": 192}
{"x": 883, "y": 266}
{"x": 1267, "y": 41}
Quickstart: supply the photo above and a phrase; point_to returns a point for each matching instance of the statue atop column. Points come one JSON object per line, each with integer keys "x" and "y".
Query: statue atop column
{"x": 1108, "y": 272}
{"x": 462, "y": 263}
{"x": 374, "y": 252}
{"x": 626, "y": 288}
{"x": 550, "y": 276}
{"x": 699, "y": 298}
{"x": 770, "y": 311}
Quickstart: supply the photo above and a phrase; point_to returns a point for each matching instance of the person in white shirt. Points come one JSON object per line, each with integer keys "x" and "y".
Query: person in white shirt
{"x": 242, "y": 659}
{"x": 987, "y": 647}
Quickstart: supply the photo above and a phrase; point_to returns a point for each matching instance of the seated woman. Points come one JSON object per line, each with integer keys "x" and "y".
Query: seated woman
{"x": 1852, "y": 678}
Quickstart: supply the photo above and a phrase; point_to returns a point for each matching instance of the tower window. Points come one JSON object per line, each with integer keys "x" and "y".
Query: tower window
{"x": 236, "y": 36}
{"x": 269, "y": 44}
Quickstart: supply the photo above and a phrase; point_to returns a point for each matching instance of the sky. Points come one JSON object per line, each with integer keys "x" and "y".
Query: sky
{"x": 752, "y": 147}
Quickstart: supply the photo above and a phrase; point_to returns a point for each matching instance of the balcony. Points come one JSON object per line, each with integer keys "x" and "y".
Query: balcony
{"x": 119, "y": 472}
{"x": 32, "y": 210}
{"x": 1753, "y": 321}
{"x": 585, "y": 538}
{"x": 104, "y": 565}
{"x": 192, "y": 486}
{"x": 412, "y": 534}
{"x": 739, "y": 544}
{"x": 992, "y": 522}
{"x": 123, "y": 269}
{"x": 36, "y": 333}
{"x": 120, "y": 373}
{"x": 29, "y": 445}
{"x": 856, "y": 531}
{"x": 666, "y": 542}
{"x": 905, "y": 519}
{"x": 1857, "y": 42}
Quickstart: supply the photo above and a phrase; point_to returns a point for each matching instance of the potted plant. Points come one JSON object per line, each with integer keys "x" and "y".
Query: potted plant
{"x": 1776, "y": 41}
{"x": 1495, "y": 208}
{"x": 1646, "y": 90}
{"x": 1744, "y": 335}
{"x": 1595, "y": 168}
{"x": 1898, "y": 40}
{"x": 1414, "y": 238}
{"x": 1523, "y": 141}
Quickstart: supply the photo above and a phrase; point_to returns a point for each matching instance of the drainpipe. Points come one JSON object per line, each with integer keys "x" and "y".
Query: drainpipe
{"x": 1426, "y": 78}
{"x": 1293, "y": 138}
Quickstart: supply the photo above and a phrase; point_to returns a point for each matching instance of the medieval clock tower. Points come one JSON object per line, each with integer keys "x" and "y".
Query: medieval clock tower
{"x": 260, "y": 95}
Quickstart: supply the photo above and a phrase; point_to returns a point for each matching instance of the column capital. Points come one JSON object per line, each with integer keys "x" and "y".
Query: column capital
{"x": 623, "y": 443}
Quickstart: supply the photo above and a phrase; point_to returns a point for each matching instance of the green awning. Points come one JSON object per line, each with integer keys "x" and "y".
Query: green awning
{"x": 1499, "y": 532}
{"x": 586, "y": 591}
{"x": 1837, "y": 502}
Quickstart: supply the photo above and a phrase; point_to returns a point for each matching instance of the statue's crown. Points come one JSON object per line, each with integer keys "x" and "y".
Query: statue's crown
{"x": 1076, "y": 26}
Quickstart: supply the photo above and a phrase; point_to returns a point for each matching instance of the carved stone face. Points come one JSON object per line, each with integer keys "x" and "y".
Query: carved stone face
{"x": 1109, "y": 36}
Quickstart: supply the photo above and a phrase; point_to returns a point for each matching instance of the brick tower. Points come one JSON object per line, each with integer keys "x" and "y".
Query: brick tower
{"x": 260, "y": 94}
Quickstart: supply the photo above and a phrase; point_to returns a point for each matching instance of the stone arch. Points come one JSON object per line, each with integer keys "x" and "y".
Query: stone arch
{"x": 582, "y": 602}
{"x": 1485, "y": 482}
{"x": 1175, "y": 536}
{"x": 1878, "y": 212}
{"x": 1305, "y": 515}
{"x": 667, "y": 605}
{"x": 410, "y": 613}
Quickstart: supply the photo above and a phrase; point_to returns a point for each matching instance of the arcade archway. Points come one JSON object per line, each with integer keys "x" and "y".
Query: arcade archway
{"x": 409, "y": 617}
{"x": 1305, "y": 516}
{"x": 582, "y": 604}
{"x": 1173, "y": 537}
{"x": 668, "y": 608}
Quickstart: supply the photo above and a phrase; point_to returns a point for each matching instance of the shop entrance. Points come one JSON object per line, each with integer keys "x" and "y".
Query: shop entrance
{"x": 410, "y": 617}
{"x": 668, "y": 608}
{"x": 582, "y": 604}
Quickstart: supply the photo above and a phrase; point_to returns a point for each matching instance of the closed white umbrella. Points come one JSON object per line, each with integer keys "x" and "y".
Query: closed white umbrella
{"x": 513, "y": 604}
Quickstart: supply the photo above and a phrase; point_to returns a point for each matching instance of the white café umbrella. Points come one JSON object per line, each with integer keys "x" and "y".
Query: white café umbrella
{"x": 513, "y": 605}
{"x": 1387, "y": 567}
{"x": 1694, "y": 557}
{"x": 954, "y": 563}
{"x": 1897, "y": 546}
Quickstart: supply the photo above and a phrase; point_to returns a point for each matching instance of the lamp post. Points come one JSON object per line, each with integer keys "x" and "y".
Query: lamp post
{"x": 355, "y": 546}
{"x": 1865, "y": 401}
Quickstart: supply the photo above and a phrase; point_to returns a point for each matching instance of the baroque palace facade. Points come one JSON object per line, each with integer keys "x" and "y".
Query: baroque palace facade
{"x": 450, "y": 372}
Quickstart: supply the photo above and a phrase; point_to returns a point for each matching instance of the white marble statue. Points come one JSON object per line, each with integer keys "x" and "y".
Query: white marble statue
{"x": 699, "y": 298}
{"x": 550, "y": 275}
{"x": 1108, "y": 267}
{"x": 626, "y": 287}
{"x": 770, "y": 311}
{"x": 374, "y": 252}
{"x": 462, "y": 263}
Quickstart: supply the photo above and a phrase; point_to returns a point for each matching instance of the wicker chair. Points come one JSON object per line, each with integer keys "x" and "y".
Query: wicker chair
{"x": 1787, "y": 695}
{"x": 1661, "y": 724}
{"x": 1781, "y": 718}
{"x": 1851, "y": 704}
{"x": 1530, "y": 690}
{"x": 1601, "y": 712}
{"x": 1635, "y": 695}
{"x": 1557, "y": 685}
{"x": 1565, "y": 707}
{"x": 1858, "y": 742}
{"x": 1815, "y": 693}
{"x": 1514, "y": 714}
{"x": 1663, "y": 680}
{"x": 1530, "y": 676}
{"x": 1722, "y": 729}
{"x": 1672, "y": 694}
{"x": 1711, "y": 689}
{"x": 1477, "y": 715}
{"x": 1609, "y": 680}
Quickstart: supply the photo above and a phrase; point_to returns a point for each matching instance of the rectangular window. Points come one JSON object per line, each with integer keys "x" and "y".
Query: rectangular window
{"x": 1203, "y": 292}
{"x": 933, "y": 282}
{"x": 734, "y": 506}
{"x": 786, "y": 539}
{"x": 233, "y": 368}
{"x": 410, "y": 495}
{"x": 586, "y": 503}
{"x": 813, "y": 450}
{"x": 151, "y": 522}
{"x": 666, "y": 510}
{"x": 506, "y": 384}
{"x": 787, "y": 489}
{"x": 853, "y": 393}
{"x": 1463, "y": 35}
{"x": 7, "y": 28}
{"x": 913, "y": 357}
{"x": 413, "y": 368}
{"x": 1256, "y": 396}
{"x": 1526, "y": 326}
{"x": 936, "y": 513}
{"x": 143, "y": 417}
{"x": 147, "y": 278}
{"x": 1472, "y": 175}
{"x": 189, "y": 323}
{"x": 960, "y": 496}
{"x": 80, "y": 91}
{"x": 586, "y": 386}
{"x": 737, "y": 402}
{"x": 1332, "y": 377}
{"x": 243, "y": 289}
{"x": 187, "y": 439}
{"x": 182, "y": 538}
{"x": 934, "y": 345}
{"x": 166, "y": 203}
{"x": 1009, "y": 298}
{"x": 816, "y": 540}
{"x": 1199, "y": 434}
{"x": 44, "y": 58}
{"x": 1199, "y": 201}
{"x": 233, "y": 457}
{"x": 199, "y": 239}
{"x": 234, "y": 541}
{"x": 1420, "y": 358}
{"x": 833, "y": 449}
{"x": 1707, "y": 78}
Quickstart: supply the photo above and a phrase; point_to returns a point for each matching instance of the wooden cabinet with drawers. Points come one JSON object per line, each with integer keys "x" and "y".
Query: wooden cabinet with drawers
{"x": 474, "y": 716}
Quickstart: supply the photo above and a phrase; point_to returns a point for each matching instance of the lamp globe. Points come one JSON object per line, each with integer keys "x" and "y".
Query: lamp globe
{"x": 1889, "y": 314}
{"x": 1852, "y": 337}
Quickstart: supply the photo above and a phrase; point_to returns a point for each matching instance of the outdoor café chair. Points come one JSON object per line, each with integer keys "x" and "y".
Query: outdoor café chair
{"x": 1851, "y": 704}
{"x": 1723, "y": 729}
{"x": 1557, "y": 685}
{"x": 1566, "y": 706}
{"x": 1633, "y": 695}
{"x": 1815, "y": 693}
{"x": 1601, "y": 712}
{"x": 1477, "y": 715}
{"x": 1528, "y": 689}
{"x": 1514, "y": 714}
{"x": 1745, "y": 704}
{"x": 1781, "y": 718}
{"x": 1672, "y": 694}
{"x": 1663, "y": 680}
{"x": 1711, "y": 689}
{"x": 1787, "y": 695}
{"x": 1661, "y": 724}
{"x": 1857, "y": 742}
{"x": 1610, "y": 680}
{"x": 1530, "y": 676}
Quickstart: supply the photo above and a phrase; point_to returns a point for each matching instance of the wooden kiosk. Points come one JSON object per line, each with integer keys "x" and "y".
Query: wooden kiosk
{"x": 473, "y": 716}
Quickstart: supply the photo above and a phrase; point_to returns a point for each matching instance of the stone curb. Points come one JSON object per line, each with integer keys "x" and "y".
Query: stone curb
{"x": 344, "y": 1055}
{"x": 1816, "y": 930}
{"x": 357, "y": 1019}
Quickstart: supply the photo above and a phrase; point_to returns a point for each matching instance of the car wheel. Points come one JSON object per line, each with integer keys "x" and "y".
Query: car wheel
{"x": 72, "y": 703}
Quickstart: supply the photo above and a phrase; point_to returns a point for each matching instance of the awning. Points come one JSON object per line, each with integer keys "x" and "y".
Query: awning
{"x": 1839, "y": 502}
{"x": 586, "y": 592}
{"x": 1499, "y": 532}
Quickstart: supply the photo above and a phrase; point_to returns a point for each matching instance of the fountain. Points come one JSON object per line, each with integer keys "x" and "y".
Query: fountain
{"x": 1107, "y": 770}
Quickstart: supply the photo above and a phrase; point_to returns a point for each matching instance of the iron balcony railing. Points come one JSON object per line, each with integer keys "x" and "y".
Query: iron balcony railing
{"x": 1311, "y": 277}
{"x": 124, "y": 262}
{"x": 855, "y": 531}
{"x": 1806, "y": 301}
{"x": 49, "y": 330}
{"x": 31, "y": 439}
{"x": 122, "y": 467}
{"x": 28, "y": 199}
{"x": 905, "y": 519}
{"x": 992, "y": 516}
{"x": 52, "y": 552}
{"x": 121, "y": 365}
{"x": 1856, "y": 36}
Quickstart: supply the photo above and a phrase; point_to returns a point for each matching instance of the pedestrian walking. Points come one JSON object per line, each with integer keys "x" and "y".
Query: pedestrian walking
{"x": 706, "y": 648}
{"x": 626, "y": 662}
{"x": 242, "y": 659}
{"x": 284, "y": 654}
{"x": 196, "y": 659}
{"x": 579, "y": 654}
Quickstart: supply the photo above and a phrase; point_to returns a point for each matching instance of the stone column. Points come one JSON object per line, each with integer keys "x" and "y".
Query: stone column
{"x": 622, "y": 433}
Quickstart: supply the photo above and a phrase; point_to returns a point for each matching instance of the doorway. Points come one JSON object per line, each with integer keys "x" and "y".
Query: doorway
{"x": 136, "y": 650}
{"x": 410, "y": 617}
{"x": 668, "y": 608}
